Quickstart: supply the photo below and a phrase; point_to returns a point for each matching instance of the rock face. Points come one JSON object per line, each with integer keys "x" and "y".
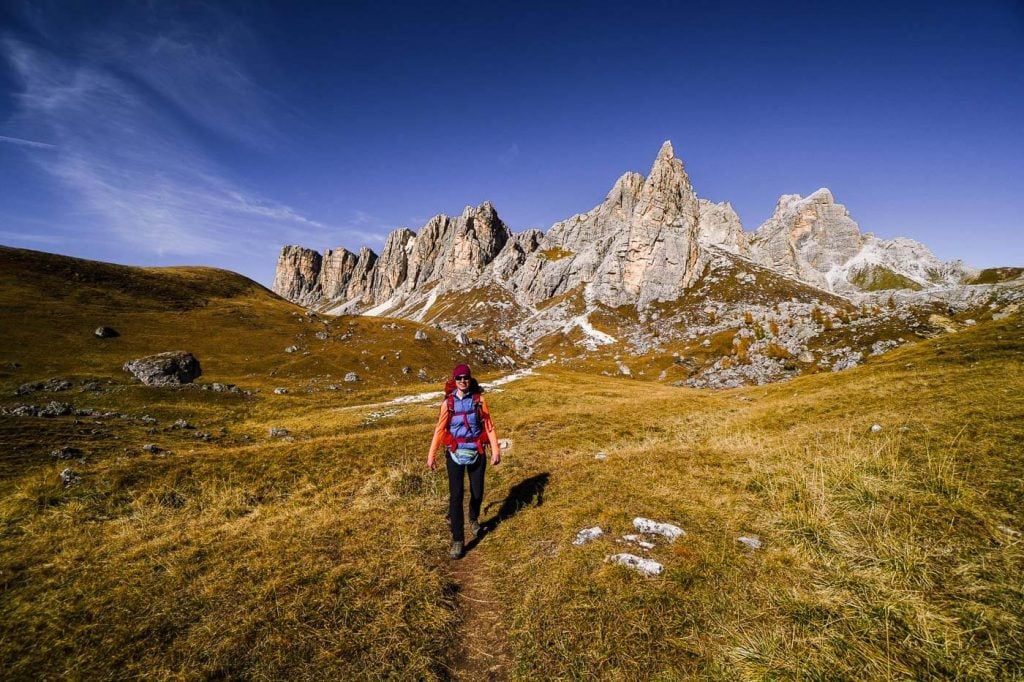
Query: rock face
{"x": 815, "y": 240}
{"x": 165, "y": 369}
{"x": 806, "y": 238}
{"x": 648, "y": 241}
{"x": 639, "y": 245}
{"x": 297, "y": 275}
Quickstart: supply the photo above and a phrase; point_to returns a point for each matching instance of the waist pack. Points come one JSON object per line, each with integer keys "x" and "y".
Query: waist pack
{"x": 463, "y": 456}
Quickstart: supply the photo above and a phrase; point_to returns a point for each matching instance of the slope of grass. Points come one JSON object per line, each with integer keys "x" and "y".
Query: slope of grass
{"x": 322, "y": 554}
{"x": 995, "y": 275}
{"x": 880, "y": 278}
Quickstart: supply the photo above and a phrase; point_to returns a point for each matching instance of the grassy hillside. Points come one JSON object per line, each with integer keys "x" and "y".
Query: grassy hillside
{"x": 50, "y": 305}
{"x": 226, "y": 552}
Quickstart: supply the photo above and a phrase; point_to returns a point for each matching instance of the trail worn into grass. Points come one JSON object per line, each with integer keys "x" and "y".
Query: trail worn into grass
{"x": 480, "y": 649}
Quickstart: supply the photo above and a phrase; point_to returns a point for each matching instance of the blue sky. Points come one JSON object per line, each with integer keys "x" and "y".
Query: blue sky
{"x": 160, "y": 133}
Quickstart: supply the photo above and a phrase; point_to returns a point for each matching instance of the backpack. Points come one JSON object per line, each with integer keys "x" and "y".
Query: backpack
{"x": 450, "y": 442}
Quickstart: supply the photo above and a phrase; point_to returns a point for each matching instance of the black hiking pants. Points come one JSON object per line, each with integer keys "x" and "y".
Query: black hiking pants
{"x": 456, "y": 485}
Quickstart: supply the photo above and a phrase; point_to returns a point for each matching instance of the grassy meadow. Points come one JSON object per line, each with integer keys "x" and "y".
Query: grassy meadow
{"x": 231, "y": 554}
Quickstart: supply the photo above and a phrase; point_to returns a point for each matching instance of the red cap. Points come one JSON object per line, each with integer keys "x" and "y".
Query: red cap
{"x": 460, "y": 370}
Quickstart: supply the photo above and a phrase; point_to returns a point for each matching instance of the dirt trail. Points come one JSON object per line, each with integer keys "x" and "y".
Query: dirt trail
{"x": 481, "y": 651}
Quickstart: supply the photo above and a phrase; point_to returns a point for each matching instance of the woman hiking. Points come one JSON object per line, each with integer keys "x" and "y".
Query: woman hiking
{"x": 465, "y": 428}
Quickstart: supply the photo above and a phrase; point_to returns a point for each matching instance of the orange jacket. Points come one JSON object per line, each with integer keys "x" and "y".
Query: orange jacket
{"x": 442, "y": 426}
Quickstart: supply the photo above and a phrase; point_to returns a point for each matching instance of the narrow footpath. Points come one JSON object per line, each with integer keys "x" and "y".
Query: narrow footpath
{"x": 481, "y": 651}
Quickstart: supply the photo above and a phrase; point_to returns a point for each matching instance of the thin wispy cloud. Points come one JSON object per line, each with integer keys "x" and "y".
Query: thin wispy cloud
{"x": 27, "y": 143}
{"x": 120, "y": 120}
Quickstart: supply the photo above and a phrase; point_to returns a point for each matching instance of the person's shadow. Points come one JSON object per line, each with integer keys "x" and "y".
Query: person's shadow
{"x": 521, "y": 495}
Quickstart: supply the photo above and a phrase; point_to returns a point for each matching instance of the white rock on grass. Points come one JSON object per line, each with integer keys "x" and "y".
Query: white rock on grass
{"x": 505, "y": 444}
{"x": 635, "y": 539}
{"x": 876, "y": 428}
{"x": 601, "y": 456}
{"x": 654, "y": 527}
{"x": 645, "y": 566}
{"x": 1009, "y": 531}
{"x": 588, "y": 535}
{"x": 751, "y": 541}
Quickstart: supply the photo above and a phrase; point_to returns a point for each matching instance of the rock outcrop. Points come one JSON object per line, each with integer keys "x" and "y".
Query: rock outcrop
{"x": 806, "y": 237}
{"x": 815, "y": 240}
{"x": 165, "y": 369}
{"x": 639, "y": 245}
{"x": 297, "y": 277}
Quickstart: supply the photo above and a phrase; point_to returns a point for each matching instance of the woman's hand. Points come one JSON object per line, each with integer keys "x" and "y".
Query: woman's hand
{"x": 496, "y": 458}
{"x": 430, "y": 461}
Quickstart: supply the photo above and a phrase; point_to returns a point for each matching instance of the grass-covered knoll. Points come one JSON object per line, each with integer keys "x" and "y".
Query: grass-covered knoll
{"x": 996, "y": 275}
{"x": 323, "y": 554}
{"x": 880, "y": 278}
{"x": 50, "y": 306}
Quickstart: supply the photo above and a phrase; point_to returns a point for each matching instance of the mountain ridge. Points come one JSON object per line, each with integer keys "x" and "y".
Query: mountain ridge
{"x": 642, "y": 244}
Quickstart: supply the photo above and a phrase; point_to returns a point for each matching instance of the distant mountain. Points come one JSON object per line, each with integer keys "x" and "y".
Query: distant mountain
{"x": 652, "y": 250}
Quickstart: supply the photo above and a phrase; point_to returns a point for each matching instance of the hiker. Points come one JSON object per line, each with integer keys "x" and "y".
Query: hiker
{"x": 464, "y": 427}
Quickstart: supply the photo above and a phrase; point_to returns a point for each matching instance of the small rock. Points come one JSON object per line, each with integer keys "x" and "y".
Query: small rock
{"x": 181, "y": 424}
{"x": 601, "y": 456}
{"x": 705, "y": 343}
{"x": 407, "y": 370}
{"x": 806, "y": 357}
{"x": 876, "y": 428}
{"x": 624, "y": 370}
{"x": 278, "y": 432}
{"x": 420, "y": 335}
{"x": 152, "y": 448}
{"x": 291, "y": 349}
{"x": 635, "y": 539}
{"x": 69, "y": 478}
{"x": 351, "y": 376}
{"x": 280, "y": 390}
{"x": 462, "y": 339}
{"x": 751, "y": 541}
{"x": 56, "y": 409}
{"x": 323, "y": 336}
{"x": 970, "y": 323}
{"x": 66, "y": 453}
{"x": 1009, "y": 531}
{"x": 588, "y": 535}
{"x": 106, "y": 332}
{"x": 654, "y": 527}
{"x": 645, "y": 566}
{"x": 422, "y": 375}
{"x": 505, "y": 444}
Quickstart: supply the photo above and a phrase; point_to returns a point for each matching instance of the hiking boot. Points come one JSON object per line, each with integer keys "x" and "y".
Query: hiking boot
{"x": 474, "y": 527}
{"x": 456, "y": 551}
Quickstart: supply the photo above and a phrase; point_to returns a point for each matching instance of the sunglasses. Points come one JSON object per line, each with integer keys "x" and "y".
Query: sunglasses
{"x": 462, "y": 377}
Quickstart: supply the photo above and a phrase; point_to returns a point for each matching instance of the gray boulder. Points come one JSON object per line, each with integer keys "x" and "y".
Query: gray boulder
{"x": 165, "y": 369}
{"x": 106, "y": 332}
{"x": 69, "y": 478}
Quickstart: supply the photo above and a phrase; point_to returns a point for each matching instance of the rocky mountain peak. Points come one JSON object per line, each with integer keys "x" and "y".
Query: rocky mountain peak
{"x": 649, "y": 240}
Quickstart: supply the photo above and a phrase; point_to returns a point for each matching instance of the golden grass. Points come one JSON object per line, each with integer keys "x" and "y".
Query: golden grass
{"x": 323, "y": 554}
